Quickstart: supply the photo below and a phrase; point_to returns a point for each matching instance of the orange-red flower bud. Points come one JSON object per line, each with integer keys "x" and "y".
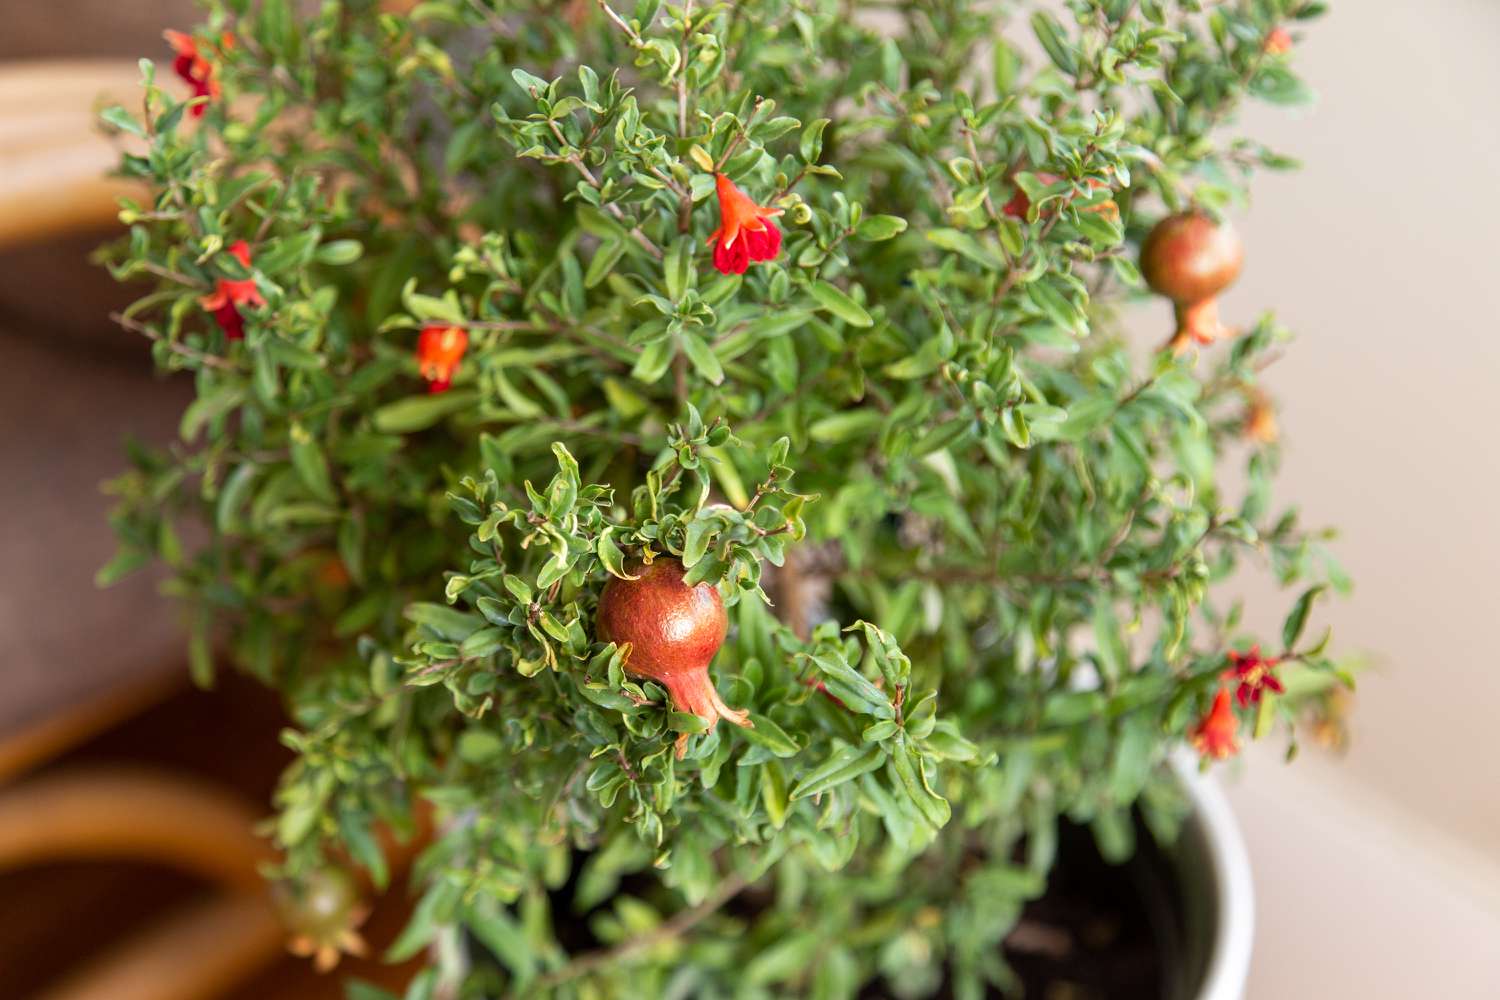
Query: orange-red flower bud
{"x": 745, "y": 231}
{"x": 1215, "y": 735}
{"x": 439, "y": 350}
{"x": 1278, "y": 42}
{"x": 1260, "y": 419}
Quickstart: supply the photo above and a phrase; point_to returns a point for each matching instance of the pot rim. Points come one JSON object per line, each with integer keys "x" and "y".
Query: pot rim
{"x": 1232, "y": 889}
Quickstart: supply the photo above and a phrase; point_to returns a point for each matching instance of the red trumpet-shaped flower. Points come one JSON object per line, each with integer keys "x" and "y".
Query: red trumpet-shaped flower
{"x": 1253, "y": 674}
{"x": 230, "y": 294}
{"x": 745, "y": 231}
{"x": 439, "y": 350}
{"x": 194, "y": 67}
{"x": 1214, "y": 735}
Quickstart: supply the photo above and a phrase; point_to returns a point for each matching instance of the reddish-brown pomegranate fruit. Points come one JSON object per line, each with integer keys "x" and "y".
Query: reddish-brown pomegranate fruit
{"x": 674, "y": 631}
{"x": 1190, "y": 258}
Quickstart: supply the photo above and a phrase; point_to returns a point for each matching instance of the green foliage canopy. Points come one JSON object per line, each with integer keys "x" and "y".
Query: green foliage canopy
{"x": 969, "y": 539}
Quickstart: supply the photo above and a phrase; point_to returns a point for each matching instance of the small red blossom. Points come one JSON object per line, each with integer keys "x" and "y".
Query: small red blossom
{"x": 745, "y": 231}
{"x": 1020, "y": 202}
{"x": 1278, "y": 42}
{"x": 230, "y": 294}
{"x": 194, "y": 67}
{"x": 1253, "y": 674}
{"x": 439, "y": 350}
{"x": 1214, "y": 735}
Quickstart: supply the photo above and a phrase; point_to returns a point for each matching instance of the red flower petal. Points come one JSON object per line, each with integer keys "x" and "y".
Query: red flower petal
{"x": 764, "y": 243}
{"x": 735, "y": 258}
{"x": 230, "y": 321}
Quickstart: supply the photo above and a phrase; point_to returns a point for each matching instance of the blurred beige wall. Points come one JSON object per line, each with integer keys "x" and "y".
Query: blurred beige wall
{"x": 1381, "y": 254}
{"x": 1378, "y": 876}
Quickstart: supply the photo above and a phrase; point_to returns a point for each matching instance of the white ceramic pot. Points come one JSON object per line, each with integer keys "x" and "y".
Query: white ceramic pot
{"x": 1218, "y": 898}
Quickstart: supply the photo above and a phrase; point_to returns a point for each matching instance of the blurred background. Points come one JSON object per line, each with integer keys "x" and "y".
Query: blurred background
{"x": 1377, "y": 874}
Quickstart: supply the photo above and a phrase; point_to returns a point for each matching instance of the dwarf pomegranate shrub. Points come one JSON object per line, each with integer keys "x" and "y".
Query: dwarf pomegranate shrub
{"x": 572, "y": 376}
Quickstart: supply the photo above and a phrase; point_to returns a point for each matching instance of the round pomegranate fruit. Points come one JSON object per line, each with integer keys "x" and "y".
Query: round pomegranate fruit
{"x": 322, "y": 912}
{"x": 673, "y": 630}
{"x": 1190, "y": 258}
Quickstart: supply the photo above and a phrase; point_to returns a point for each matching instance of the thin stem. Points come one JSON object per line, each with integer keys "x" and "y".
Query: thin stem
{"x": 685, "y": 199}
{"x": 593, "y": 182}
{"x": 193, "y": 354}
{"x": 170, "y": 275}
{"x": 635, "y": 38}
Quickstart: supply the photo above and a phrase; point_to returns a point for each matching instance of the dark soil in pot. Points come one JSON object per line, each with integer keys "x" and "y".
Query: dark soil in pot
{"x": 1102, "y": 931}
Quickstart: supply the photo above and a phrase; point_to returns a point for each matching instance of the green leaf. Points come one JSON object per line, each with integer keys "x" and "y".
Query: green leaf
{"x": 783, "y": 959}
{"x": 209, "y": 407}
{"x": 810, "y": 146}
{"x": 677, "y": 268}
{"x": 696, "y": 543}
{"x": 430, "y": 309}
{"x": 1054, "y": 42}
{"x": 337, "y": 253}
{"x": 834, "y": 300}
{"x": 528, "y": 82}
{"x": 417, "y": 413}
{"x": 449, "y": 623}
{"x": 435, "y": 906}
{"x": 880, "y": 227}
{"x": 845, "y": 764}
{"x": 122, "y": 120}
{"x": 311, "y": 465}
{"x": 1056, "y": 306}
{"x": 845, "y": 426}
{"x": 1114, "y": 659}
{"x": 770, "y": 736}
{"x": 605, "y": 259}
{"x": 703, "y": 359}
{"x": 966, "y": 246}
{"x": 933, "y": 807}
{"x": 656, "y": 358}
{"x": 1291, "y": 629}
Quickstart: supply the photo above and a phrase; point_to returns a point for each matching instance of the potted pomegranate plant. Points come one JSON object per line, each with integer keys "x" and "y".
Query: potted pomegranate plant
{"x": 575, "y": 377}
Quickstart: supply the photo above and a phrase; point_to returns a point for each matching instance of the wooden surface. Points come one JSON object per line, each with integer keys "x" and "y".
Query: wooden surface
{"x": 90, "y": 674}
{"x": 63, "y": 416}
{"x": 49, "y": 28}
{"x": 54, "y": 161}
